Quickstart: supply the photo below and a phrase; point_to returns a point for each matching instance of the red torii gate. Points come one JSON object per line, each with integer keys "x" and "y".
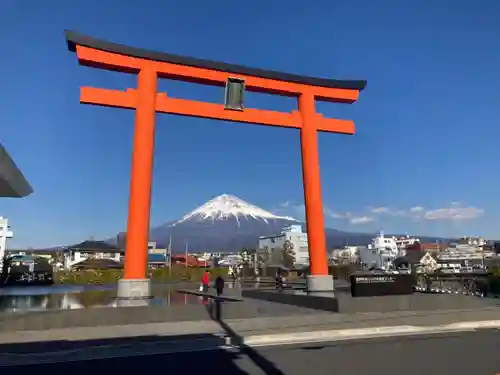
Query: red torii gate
{"x": 149, "y": 66}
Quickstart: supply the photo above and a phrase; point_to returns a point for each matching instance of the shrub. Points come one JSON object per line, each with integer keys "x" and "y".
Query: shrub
{"x": 494, "y": 280}
{"x": 111, "y": 276}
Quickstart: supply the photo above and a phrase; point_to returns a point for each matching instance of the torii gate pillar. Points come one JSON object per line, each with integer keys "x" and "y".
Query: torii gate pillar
{"x": 146, "y": 101}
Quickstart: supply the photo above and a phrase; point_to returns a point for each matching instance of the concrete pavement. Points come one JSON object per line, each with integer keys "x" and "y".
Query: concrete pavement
{"x": 306, "y": 321}
{"x": 192, "y": 328}
{"x": 468, "y": 353}
{"x": 265, "y": 330}
{"x": 152, "y": 314}
{"x": 155, "y": 313}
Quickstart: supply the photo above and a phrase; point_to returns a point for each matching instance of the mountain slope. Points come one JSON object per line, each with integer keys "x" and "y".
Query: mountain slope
{"x": 227, "y": 223}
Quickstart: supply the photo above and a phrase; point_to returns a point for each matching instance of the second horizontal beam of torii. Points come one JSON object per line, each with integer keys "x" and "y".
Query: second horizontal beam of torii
{"x": 174, "y": 106}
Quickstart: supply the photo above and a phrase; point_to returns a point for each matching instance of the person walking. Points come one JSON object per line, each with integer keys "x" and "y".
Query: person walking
{"x": 205, "y": 280}
{"x": 219, "y": 285}
{"x": 279, "y": 280}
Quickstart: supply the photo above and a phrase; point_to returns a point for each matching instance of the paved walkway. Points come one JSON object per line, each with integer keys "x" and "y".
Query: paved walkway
{"x": 140, "y": 315}
{"x": 305, "y": 322}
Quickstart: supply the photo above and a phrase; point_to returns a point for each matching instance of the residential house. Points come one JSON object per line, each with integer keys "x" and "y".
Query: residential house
{"x": 157, "y": 260}
{"x": 49, "y": 254}
{"x": 426, "y": 247}
{"x": 157, "y": 257}
{"x": 97, "y": 264}
{"x": 423, "y": 262}
{"x": 90, "y": 250}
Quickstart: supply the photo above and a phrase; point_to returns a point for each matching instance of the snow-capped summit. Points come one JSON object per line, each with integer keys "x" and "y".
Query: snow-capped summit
{"x": 225, "y": 223}
{"x": 225, "y": 207}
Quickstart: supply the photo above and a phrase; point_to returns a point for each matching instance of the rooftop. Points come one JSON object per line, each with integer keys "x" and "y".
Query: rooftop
{"x": 12, "y": 182}
{"x": 74, "y": 39}
{"x": 96, "y": 246}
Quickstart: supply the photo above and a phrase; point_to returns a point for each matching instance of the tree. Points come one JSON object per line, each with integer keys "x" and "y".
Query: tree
{"x": 245, "y": 255}
{"x": 288, "y": 254}
{"x": 263, "y": 256}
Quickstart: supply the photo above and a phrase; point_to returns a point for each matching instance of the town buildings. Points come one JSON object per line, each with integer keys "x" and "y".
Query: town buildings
{"x": 290, "y": 239}
{"x": 5, "y": 234}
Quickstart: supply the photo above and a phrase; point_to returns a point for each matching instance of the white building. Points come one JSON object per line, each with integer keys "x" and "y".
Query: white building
{"x": 293, "y": 237}
{"x": 230, "y": 260}
{"x": 473, "y": 241}
{"x": 348, "y": 254}
{"x": 380, "y": 253}
{"x": 403, "y": 242}
{"x": 5, "y": 233}
{"x": 463, "y": 251}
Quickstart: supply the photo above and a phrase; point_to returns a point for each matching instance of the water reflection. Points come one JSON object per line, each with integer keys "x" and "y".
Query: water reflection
{"x": 64, "y": 297}
{"x": 25, "y": 299}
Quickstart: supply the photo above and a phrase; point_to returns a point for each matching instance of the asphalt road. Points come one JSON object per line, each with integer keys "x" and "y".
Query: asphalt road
{"x": 469, "y": 353}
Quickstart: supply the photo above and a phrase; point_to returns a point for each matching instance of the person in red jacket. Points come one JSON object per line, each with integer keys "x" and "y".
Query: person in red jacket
{"x": 205, "y": 280}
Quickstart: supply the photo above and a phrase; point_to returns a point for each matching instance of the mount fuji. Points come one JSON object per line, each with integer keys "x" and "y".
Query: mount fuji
{"x": 227, "y": 223}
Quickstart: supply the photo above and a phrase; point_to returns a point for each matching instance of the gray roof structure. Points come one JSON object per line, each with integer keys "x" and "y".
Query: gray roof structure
{"x": 75, "y": 39}
{"x": 12, "y": 182}
{"x": 94, "y": 246}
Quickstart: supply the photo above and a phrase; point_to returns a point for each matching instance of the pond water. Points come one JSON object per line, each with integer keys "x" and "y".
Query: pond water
{"x": 63, "y": 297}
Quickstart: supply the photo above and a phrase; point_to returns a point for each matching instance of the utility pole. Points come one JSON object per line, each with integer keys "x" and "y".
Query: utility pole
{"x": 169, "y": 254}
{"x": 256, "y": 266}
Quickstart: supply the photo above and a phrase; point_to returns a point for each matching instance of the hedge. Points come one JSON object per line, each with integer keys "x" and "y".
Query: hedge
{"x": 181, "y": 273}
{"x": 111, "y": 276}
{"x": 494, "y": 280}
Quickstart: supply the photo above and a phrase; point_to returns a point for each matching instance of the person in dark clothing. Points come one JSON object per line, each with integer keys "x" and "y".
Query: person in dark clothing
{"x": 219, "y": 285}
{"x": 279, "y": 280}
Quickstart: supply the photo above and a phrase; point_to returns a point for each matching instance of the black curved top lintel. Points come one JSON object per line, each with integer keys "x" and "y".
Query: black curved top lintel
{"x": 74, "y": 39}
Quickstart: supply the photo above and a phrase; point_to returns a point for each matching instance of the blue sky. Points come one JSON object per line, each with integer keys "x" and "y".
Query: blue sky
{"x": 423, "y": 161}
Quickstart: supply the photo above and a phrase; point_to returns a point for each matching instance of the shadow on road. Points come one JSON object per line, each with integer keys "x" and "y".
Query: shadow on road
{"x": 266, "y": 366}
{"x": 186, "y": 354}
{"x": 150, "y": 353}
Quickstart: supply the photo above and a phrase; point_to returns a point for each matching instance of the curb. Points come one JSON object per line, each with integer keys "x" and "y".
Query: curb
{"x": 448, "y": 291}
{"x": 353, "y": 334}
{"x": 419, "y": 289}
